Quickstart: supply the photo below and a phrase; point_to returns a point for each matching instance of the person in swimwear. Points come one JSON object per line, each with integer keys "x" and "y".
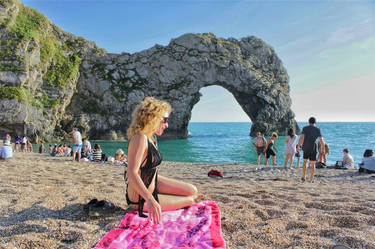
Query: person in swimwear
{"x": 270, "y": 148}
{"x": 146, "y": 190}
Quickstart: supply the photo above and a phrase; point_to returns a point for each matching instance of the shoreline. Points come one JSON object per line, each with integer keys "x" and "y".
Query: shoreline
{"x": 43, "y": 200}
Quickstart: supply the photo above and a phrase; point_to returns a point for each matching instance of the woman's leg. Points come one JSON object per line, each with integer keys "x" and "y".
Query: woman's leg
{"x": 286, "y": 160}
{"x": 174, "y": 194}
{"x": 170, "y": 186}
{"x": 274, "y": 160}
{"x": 266, "y": 160}
{"x": 291, "y": 160}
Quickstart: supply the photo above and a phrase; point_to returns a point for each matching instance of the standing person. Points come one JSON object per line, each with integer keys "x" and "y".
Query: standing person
{"x": 259, "y": 144}
{"x": 24, "y": 144}
{"x": 147, "y": 190}
{"x": 41, "y": 148}
{"x": 323, "y": 149}
{"x": 77, "y": 140}
{"x": 347, "y": 160}
{"x": 29, "y": 146}
{"x": 17, "y": 143}
{"x": 270, "y": 145}
{"x": 308, "y": 142}
{"x": 290, "y": 148}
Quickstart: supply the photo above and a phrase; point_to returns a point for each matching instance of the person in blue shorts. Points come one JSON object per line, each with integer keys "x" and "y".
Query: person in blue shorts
{"x": 77, "y": 140}
{"x": 307, "y": 140}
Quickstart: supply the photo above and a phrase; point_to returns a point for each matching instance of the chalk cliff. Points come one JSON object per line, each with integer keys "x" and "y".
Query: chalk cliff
{"x": 51, "y": 80}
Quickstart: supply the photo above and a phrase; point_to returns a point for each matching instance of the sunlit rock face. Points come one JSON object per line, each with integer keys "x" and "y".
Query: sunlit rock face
{"x": 100, "y": 96}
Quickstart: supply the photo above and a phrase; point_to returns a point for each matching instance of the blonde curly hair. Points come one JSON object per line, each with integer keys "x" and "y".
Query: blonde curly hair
{"x": 147, "y": 116}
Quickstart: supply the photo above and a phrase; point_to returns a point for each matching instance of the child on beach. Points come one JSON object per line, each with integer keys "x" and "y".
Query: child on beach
{"x": 97, "y": 153}
{"x": 120, "y": 157}
{"x": 323, "y": 151}
{"x": 270, "y": 145}
{"x": 298, "y": 156}
{"x": 290, "y": 148}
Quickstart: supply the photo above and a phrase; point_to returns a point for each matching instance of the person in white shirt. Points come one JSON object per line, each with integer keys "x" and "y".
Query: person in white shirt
{"x": 290, "y": 148}
{"x": 86, "y": 147}
{"x": 368, "y": 163}
{"x": 67, "y": 151}
{"x": 347, "y": 160}
{"x": 77, "y": 140}
{"x": 6, "y": 150}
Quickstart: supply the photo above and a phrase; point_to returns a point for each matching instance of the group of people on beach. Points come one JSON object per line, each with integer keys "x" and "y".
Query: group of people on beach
{"x": 82, "y": 150}
{"x": 148, "y": 191}
{"x": 314, "y": 148}
{"x": 22, "y": 144}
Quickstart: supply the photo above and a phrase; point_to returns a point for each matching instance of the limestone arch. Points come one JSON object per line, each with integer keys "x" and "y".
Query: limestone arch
{"x": 248, "y": 68}
{"x": 256, "y": 108}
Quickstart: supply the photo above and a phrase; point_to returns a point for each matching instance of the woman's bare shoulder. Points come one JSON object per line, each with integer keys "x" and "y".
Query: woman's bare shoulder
{"x": 139, "y": 139}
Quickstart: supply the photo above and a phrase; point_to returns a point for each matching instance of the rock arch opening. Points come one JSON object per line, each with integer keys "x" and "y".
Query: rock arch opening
{"x": 217, "y": 104}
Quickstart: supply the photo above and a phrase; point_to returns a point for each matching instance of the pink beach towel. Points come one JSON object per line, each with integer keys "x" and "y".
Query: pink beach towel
{"x": 197, "y": 226}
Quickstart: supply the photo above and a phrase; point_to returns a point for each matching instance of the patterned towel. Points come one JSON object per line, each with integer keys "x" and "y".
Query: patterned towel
{"x": 197, "y": 226}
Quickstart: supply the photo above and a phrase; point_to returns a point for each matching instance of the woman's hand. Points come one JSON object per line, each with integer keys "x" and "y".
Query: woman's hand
{"x": 154, "y": 210}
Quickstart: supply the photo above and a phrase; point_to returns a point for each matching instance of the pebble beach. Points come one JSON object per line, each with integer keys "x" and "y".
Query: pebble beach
{"x": 43, "y": 203}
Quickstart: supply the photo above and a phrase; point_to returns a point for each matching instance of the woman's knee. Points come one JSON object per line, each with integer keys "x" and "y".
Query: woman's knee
{"x": 192, "y": 189}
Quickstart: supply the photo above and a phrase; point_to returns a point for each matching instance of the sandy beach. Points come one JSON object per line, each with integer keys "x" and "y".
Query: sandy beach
{"x": 43, "y": 203}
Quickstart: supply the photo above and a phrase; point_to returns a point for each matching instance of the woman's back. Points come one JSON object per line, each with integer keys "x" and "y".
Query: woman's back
{"x": 97, "y": 155}
{"x": 368, "y": 163}
{"x": 290, "y": 146}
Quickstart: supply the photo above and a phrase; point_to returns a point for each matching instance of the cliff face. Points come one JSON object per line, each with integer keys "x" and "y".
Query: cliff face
{"x": 51, "y": 80}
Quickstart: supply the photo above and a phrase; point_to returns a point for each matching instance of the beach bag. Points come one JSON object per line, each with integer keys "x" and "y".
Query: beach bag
{"x": 104, "y": 158}
{"x": 320, "y": 165}
{"x": 339, "y": 165}
{"x": 214, "y": 173}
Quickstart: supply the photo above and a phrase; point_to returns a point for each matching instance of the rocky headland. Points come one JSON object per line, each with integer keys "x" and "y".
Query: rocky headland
{"x": 51, "y": 80}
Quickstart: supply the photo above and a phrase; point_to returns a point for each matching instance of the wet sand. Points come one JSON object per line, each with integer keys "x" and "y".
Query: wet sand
{"x": 43, "y": 203}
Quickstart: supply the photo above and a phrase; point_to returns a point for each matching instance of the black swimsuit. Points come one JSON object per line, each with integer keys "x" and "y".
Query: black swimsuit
{"x": 148, "y": 171}
{"x": 270, "y": 152}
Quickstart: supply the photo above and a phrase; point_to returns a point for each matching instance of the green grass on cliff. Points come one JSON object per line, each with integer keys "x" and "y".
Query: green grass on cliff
{"x": 46, "y": 101}
{"x": 20, "y": 93}
{"x": 62, "y": 70}
{"x": 28, "y": 23}
{"x": 11, "y": 68}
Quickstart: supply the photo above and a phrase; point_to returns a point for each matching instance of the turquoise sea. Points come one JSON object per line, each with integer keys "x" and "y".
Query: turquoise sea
{"x": 230, "y": 143}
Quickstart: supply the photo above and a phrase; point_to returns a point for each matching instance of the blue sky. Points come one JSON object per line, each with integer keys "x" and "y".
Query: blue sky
{"x": 327, "y": 47}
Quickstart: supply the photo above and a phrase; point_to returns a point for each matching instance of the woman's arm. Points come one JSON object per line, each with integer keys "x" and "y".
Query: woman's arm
{"x": 274, "y": 145}
{"x": 136, "y": 152}
{"x": 265, "y": 147}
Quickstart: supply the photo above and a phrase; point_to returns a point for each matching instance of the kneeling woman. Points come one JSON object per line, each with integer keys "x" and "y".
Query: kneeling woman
{"x": 146, "y": 190}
